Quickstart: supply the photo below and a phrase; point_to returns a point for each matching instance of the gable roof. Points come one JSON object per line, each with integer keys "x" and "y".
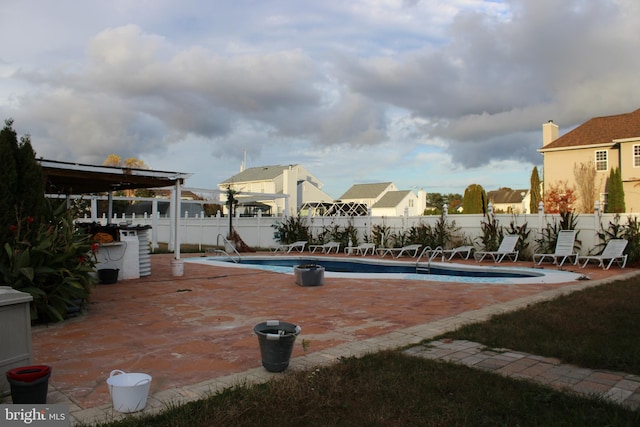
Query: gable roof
{"x": 365, "y": 191}
{"x": 600, "y": 130}
{"x": 391, "y": 199}
{"x": 507, "y": 195}
{"x": 260, "y": 173}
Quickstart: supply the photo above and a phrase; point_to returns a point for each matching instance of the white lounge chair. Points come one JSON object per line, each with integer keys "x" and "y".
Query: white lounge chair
{"x": 361, "y": 249}
{"x": 564, "y": 249}
{"x": 398, "y": 252}
{"x": 286, "y": 248}
{"x": 507, "y": 249}
{"x": 614, "y": 251}
{"x": 325, "y": 248}
{"x": 463, "y": 251}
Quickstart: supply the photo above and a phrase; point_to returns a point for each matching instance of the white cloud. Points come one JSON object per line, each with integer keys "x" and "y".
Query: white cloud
{"x": 361, "y": 90}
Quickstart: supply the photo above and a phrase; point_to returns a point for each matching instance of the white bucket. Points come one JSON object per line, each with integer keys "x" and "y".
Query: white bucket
{"x": 129, "y": 391}
{"x": 177, "y": 267}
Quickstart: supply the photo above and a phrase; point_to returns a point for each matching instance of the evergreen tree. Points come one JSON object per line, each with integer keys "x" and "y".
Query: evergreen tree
{"x": 21, "y": 181}
{"x": 536, "y": 196}
{"x": 475, "y": 200}
{"x": 31, "y": 187}
{"x": 615, "y": 203}
{"x": 8, "y": 179}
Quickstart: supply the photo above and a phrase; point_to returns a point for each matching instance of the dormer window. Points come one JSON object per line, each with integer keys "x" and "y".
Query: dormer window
{"x": 602, "y": 160}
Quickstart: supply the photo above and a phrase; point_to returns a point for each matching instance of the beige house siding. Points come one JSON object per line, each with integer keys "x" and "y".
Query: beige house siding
{"x": 616, "y": 135}
{"x": 631, "y": 173}
{"x": 559, "y": 166}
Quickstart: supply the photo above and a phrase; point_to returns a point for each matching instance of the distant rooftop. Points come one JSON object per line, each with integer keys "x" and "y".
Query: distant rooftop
{"x": 391, "y": 199}
{"x": 260, "y": 173}
{"x": 365, "y": 191}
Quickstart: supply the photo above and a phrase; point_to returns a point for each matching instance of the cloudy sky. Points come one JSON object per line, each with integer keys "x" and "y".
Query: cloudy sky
{"x": 428, "y": 94}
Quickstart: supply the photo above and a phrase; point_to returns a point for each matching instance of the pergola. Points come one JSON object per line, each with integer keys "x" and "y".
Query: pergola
{"x": 76, "y": 179}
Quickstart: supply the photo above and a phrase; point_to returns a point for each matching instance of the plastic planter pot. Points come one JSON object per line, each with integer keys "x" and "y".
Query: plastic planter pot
{"x": 108, "y": 276}
{"x": 309, "y": 275}
{"x": 276, "y": 341}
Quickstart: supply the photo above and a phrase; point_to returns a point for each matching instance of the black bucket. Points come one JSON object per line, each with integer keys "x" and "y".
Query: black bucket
{"x": 108, "y": 276}
{"x": 276, "y": 341}
{"x": 29, "y": 384}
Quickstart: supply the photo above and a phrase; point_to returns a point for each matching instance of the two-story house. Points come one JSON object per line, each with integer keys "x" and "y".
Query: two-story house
{"x": 606, "y": 142}
{"x": 283, "y": 188}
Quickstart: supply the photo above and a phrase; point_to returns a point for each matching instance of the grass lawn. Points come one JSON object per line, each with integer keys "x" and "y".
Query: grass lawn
{"x": 594, "y": 328}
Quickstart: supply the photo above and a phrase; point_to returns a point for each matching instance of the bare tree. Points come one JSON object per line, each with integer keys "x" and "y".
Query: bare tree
{"x": 587, "y": 184}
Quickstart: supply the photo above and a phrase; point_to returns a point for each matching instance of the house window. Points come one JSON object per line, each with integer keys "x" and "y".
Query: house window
{"x": 636, "y": 156}
{"x": 602, "y": 163}
{"x": 410, "y": 203}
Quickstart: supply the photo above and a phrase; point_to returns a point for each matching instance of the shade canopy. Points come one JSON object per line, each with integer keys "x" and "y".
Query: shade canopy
{"x": 77, "y": 178}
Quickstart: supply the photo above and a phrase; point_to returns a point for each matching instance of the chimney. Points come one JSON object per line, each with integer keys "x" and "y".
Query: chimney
{"x": 549, "y": 133}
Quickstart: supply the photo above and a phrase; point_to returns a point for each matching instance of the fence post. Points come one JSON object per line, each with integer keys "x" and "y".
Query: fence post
{"x": 259, "y": 243}
{"x": 540, "y": 216}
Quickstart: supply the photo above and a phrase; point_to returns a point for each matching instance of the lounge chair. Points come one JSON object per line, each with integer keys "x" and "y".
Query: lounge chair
{"x": 429, "y": 253}
{"x": 614, "y": 251}
{"x": 286, "y": 248}
{"x": 564, "y": 249}
{"x": 398, "y": 252}
{"x": 507, "y": 249}
{"x": 361, "y": 249}
{"x": 325, "y": 248}
{"x": 463, "y": 251}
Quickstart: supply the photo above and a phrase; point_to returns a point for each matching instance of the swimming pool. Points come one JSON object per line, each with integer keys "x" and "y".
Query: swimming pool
{"x": 341, "y": 267}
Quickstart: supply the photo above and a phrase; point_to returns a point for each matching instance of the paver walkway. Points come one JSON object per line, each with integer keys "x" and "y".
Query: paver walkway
{"x": 618, "y": 387}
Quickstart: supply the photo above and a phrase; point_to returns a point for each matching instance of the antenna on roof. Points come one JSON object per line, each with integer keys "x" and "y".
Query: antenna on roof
{"x": 243, "y": 165}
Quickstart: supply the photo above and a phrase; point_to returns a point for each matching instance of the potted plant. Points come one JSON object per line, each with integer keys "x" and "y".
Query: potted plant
{"x": 309, "y": 274}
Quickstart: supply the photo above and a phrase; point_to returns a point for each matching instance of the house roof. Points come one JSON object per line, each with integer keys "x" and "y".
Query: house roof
{"x": 261, "y": 173}
{"x": 600, "y": 130}
{"x": 391, "y": 199}
{"x": 365, "y": 191}
{"x": 507, "y": 195}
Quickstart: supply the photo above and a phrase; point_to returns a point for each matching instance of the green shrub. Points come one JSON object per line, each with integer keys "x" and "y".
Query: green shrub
{"x": 291, "y": 229}
{"x": 440, "y": 234}
{"x": 523, "y": 242}
{"x": 52, "y": 260}
{"x": 381, "y": 235}
{"x": 492, "y": 233}
{"x": 615, "y": 230}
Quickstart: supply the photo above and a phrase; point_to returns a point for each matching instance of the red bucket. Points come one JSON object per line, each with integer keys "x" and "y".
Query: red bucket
{"x": 28, "y": 374}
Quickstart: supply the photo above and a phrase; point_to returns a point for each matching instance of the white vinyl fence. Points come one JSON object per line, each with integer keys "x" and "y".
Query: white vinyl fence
{"x": 258, "y": 232}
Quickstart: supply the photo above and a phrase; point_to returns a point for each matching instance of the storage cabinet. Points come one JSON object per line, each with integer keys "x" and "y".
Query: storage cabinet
{"x": 15, "y": 333}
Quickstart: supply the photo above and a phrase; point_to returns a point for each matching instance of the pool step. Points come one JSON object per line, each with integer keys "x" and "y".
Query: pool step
{"x": 423, "y": 270}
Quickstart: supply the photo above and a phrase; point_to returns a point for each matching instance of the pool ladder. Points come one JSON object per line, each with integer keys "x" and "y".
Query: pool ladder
{"x": 228, "y": 249}
{"x": 431, "y": 254}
